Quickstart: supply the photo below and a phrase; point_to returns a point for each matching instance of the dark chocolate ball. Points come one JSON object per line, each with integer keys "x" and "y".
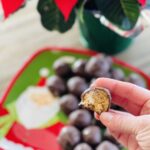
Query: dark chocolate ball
{"x": 69, "y": 137}
{"x": 68, "y": 103}
{"x": 92, "y": 135}
{"x": 79, "y": 67}
{"x": 76, "y": 85}
{"x": 83, "y": 146}
{"x": 62, "y": 68}
{"x": 117, "y": 74}
{"x": 135, "y": 79}
{"x": 98, "y": 66}
{"x": 56, "y": 85}
{"x": 106, "y": 145}
{"x": 80, "y": 118}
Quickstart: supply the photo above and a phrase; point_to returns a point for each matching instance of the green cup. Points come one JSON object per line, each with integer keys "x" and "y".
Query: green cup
{"x": 96, "y": 36}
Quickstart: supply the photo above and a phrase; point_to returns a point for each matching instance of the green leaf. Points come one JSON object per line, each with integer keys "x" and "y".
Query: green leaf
{"x": 123, "y": 13}
{"x": 51, "y": 17}
{"x": 131, "y": 9}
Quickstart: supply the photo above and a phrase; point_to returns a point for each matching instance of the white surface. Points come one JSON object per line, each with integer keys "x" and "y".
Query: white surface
{"x": 9, "y": 145}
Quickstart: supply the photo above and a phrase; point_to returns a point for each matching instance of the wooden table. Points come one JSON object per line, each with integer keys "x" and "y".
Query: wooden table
{"x": 22, "y": 34}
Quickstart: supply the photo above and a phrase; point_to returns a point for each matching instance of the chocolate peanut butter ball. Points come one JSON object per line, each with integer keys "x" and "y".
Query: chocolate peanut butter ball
{"x": 80, "y": 118}
{"x": 62, "y": 68}
{"x": 135, "y": 79}
{"x": 69, "y": 137}
{"x": 83, "y": 146}
{"x": 98, "y": 66}
{"x": 68, "y": 103}
{"x": 106, "y": 145}
{"x": 92, "y": 135}
{"x": 56, "y": 85}
{"x": 96, "y": 99}
{"x": 117, "y": 74}
{"x": 76, "y": 85}
{"x": 79, "y": 67}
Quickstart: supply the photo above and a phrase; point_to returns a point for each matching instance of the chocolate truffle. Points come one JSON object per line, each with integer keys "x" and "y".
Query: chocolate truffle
{"x": 62, "y": 68}
{"x": 135, "y": 79}
{"x": 98, "y": 66}
{"x": 83, "y": 146}
{"x": 92, "y": 135}
{"x": 117, "y": 74}
{"x": 106, "y": 145}
{"x": 68, "y": 103}
{"x": 79, "y": 67}
{"x": 56, "y": 85}
{"x": 76, "y": 85}
{"x": 96, "y": 99}
{"x": 69, "y": 137}
{"x": 80, "y": 118}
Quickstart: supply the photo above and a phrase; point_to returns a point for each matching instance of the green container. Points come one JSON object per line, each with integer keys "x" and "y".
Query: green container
{"x": 96, "y": 36}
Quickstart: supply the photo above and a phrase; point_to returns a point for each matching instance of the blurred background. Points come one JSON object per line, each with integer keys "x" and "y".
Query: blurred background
{"x": 22, "y": 34}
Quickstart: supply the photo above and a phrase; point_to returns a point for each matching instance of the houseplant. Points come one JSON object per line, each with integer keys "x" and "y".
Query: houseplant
{"x": 110, "y": 36}
{"x": 107, "y": 26}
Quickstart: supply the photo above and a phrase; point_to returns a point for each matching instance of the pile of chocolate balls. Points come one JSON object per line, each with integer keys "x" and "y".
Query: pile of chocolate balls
{"x": 83, "y": 131}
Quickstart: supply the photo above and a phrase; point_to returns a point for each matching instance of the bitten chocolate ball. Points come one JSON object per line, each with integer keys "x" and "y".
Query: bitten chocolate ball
{"x": 92, "y": 135}
{"x": 96, "y": 99}
{"x": 68, "y": 103}
{"x": 83, "y": 146}
{"x": 117, "y": 74}
{"x": 62, "y": 68}
{"x": 56, "y": 85}
{"x": 69, "y": 137}
{"x": 106, "y": 145}
{"x": 79, "y": 67}
{"x": 76, "y": 85}
{"x": 135, "y": 79}
{"x": 80, "y": 118}
{"x": 98, "y": 66}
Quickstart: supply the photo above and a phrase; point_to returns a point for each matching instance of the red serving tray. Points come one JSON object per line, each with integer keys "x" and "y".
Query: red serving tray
{"x": 34, "y": 138}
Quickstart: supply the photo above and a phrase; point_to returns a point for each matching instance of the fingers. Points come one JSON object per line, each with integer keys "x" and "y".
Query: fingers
{"x": 124, "y": 90}
{"x": 127, "y": 105}
{"x": 120, "y": 122}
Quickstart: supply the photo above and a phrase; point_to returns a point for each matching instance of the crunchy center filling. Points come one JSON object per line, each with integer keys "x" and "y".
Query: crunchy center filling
{"x": 97, "y": 100}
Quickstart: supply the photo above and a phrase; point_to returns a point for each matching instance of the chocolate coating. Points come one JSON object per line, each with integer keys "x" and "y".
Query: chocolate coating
{"x": 68, "y": 103}
{"x": 56, "y": 85}
{"x": 76, "y": 85}
{"x": 62, "y": 68}
{"x": 92, "y": 135}
{"x": 98, "y": 66}
{"x": 80, "y": 118}
{"x": 96, "y": 99}
{"x": 106, "y": 145}
{"x": 135, "y": 79}
{"x": 79, "y": 68}
{"x": 83, "y": 146}
{"x": 69, "y": 137}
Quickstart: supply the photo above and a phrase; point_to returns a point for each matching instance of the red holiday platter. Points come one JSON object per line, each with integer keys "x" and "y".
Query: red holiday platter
{"x": 30, "y": 116}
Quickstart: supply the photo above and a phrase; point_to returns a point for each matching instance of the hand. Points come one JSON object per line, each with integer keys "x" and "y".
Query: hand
{"x": 130, "y": 129}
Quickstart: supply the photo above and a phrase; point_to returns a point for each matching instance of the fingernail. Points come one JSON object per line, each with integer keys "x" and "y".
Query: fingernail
{"x": 92, "y": 85}
{"x": 106, "y": 116}
{"x": 96, "y": 116}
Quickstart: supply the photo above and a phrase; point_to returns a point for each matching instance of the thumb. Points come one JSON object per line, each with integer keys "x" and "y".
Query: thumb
{"x": 123, "y": 122}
